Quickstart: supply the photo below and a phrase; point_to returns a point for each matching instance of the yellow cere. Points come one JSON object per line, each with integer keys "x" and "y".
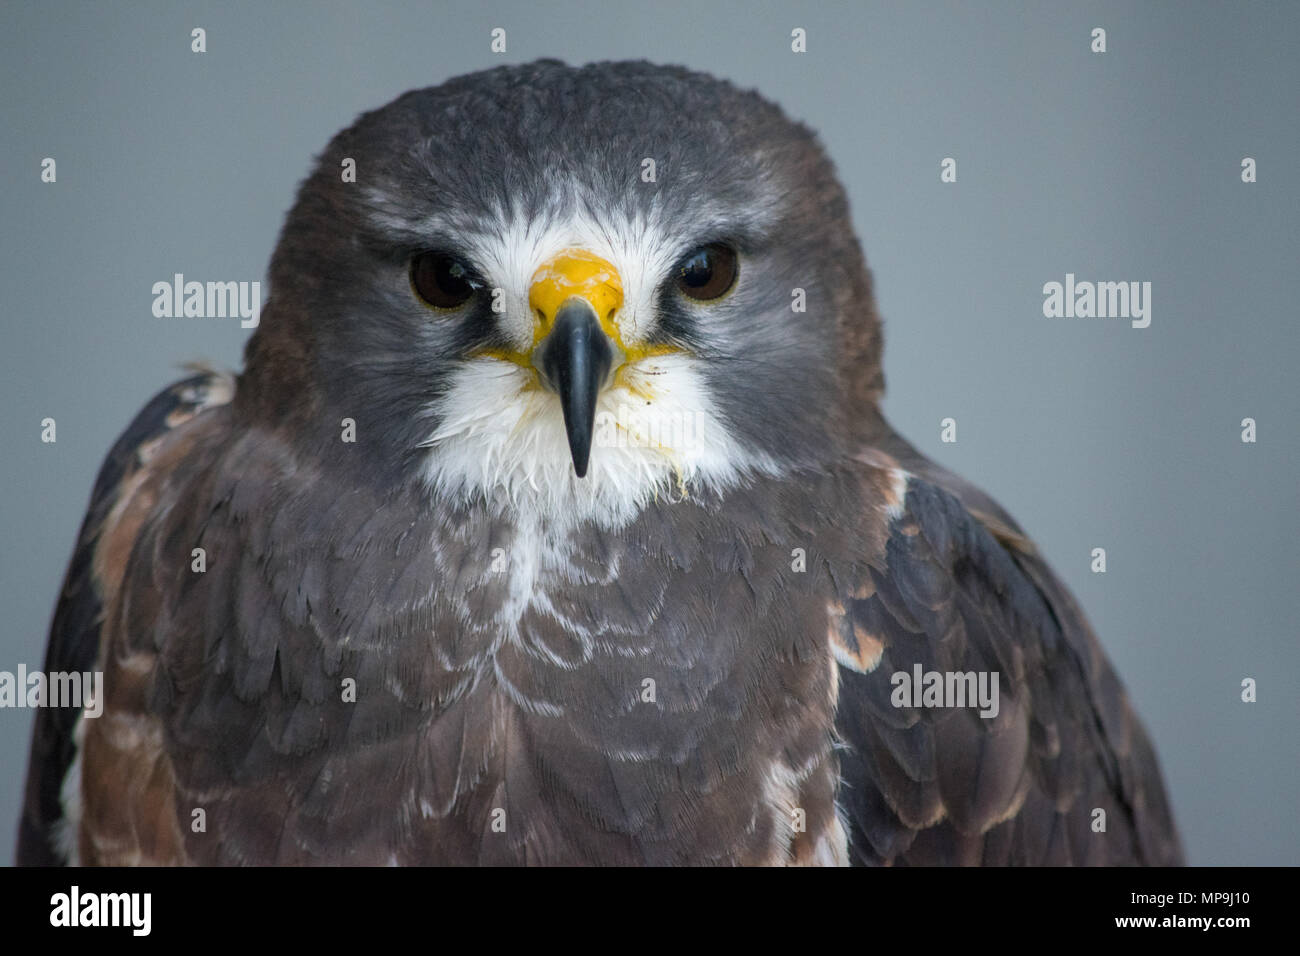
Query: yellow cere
{"x": 578, "y": 273}
{"x": 575, "y": 273}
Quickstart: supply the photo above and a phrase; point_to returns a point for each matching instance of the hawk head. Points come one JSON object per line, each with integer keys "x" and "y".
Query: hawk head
{"x": 572, "y": 290}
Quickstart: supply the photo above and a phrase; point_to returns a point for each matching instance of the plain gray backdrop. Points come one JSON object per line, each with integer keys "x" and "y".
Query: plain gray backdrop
{"x": 1116, "y": 166}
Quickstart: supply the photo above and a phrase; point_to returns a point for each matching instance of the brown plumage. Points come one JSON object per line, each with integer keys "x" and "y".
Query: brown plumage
{"x": 705, "y": 678}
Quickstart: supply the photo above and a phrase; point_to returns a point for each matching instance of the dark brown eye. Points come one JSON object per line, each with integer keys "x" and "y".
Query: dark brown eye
{"x": 707, "y": 273}
{"x": 441, "y": 280}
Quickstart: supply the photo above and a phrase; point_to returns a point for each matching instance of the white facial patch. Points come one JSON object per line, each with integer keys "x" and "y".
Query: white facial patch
{"x": 658, "y": 432}
{"x": 640, "y": 251}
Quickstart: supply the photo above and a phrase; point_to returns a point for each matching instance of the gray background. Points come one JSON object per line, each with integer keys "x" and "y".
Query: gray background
{"x": 1122, "y": 166}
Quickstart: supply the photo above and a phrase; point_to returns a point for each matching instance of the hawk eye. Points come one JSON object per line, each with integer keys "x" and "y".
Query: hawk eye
{"x": 442, "y": 280}
{"x": 707, "y": 273}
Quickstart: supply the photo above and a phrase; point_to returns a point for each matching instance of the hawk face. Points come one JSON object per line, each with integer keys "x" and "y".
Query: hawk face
{"x": 574, "y": 290}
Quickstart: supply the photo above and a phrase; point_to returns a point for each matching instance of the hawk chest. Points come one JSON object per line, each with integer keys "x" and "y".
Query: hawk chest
{"x": 639, "y": 707}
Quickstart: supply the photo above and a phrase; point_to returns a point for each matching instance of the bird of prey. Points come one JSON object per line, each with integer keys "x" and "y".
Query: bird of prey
{"x": 554, "y": 520}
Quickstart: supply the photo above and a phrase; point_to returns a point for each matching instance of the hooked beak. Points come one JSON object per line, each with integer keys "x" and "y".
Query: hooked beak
{"x": 574, "y": 298}
{"x": 575, "y": 360}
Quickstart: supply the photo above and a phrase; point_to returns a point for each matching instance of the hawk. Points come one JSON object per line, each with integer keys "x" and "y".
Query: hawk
{"x": 554, "y": 520}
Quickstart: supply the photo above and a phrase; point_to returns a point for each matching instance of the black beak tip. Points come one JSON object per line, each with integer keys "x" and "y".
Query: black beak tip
{"x": 579, "y": 434}
{"x": 575, "y": 359}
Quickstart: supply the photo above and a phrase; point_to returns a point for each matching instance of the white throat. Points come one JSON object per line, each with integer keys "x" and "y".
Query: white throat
{"x": 658, "y": 436}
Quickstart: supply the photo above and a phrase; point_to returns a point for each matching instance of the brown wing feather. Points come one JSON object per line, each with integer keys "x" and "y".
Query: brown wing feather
{"x": 959, "y": 588}
{"x": 93, "y": 577}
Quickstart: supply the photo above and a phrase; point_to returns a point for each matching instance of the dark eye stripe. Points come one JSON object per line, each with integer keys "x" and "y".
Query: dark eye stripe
{"x": 707, "y": 273}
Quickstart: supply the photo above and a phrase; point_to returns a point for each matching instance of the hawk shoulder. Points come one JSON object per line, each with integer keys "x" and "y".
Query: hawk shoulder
{"x": 46, "y": 836}
{"x": 958, "y": 589}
